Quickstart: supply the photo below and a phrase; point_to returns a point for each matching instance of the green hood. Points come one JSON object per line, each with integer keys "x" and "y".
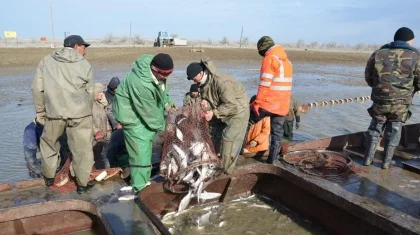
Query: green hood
{"x": 141, "y": 68}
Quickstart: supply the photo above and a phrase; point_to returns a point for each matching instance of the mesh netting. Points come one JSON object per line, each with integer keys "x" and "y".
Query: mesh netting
{"x": 321, "y": 162}
{"x": 65, "y": 183}
{"x": 188, "y": 156}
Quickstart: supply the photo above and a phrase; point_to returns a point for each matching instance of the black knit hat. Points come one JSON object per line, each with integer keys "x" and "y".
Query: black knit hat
{"x": 115, "y": 81}
{"x": 162, "y": 63}
{"x": 194, "y": 88}
{"x": 404, "y": 34}
{"x": 193, "y": 69}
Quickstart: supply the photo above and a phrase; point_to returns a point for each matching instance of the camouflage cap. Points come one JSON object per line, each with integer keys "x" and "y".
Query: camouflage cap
{"x": 265, "y": 43}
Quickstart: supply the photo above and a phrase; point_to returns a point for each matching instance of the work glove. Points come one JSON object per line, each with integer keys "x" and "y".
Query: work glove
{"x": 297, "y": 125}
{"x": 171, "y": 109}
{"x": 40, "y": 118}
{"x": 253, "y": 143}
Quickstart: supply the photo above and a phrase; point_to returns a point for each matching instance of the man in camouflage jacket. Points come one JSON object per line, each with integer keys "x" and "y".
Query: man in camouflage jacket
{"x": 393, "y": 73}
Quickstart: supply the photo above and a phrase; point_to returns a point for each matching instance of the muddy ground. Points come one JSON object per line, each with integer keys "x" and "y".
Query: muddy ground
{"x": 30, "y": 57}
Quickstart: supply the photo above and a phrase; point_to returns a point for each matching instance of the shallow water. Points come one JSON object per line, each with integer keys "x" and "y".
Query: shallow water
{"x": 250, "y": 215}
{"x": 312, "y": 82}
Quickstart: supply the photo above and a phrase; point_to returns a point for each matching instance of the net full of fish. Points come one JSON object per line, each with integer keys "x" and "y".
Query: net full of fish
{"x": 189, "y": 161}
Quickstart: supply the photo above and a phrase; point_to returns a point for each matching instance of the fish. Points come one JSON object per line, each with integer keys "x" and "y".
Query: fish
{"x": 189, "y": 176}
{"x": 185, "y": 202}
{"x": 200, "y": 188}
{"x": 197, "y": 148}
{"x": 127, "y": 198}
{"x": 179, "y": 134}
{"x": 204, "y": 219}
{"x": 126, "y": 188}
{"x": 182, "y": 156}
{"x": 208, "y": 195}
{"x": 221, "y": 224}
{"x": 261, "y": 206}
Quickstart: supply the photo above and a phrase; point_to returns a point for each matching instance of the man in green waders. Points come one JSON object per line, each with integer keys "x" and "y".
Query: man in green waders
{"x": 139, "y": 106}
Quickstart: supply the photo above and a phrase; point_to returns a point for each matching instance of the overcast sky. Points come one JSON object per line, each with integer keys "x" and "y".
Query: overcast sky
{"x": 368, "y": 21}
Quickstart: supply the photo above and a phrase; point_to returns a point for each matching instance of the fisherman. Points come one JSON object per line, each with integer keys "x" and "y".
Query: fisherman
{"x": 101, "y": 128}
{"x": 193, "y": 96}
{"x": 258, "y": 135}
{"x": 63, "y": 93}
{"x": 225, "y": 106}
{"x": 117, "y": 153}
{"x": 31, "y": 138}
{"x": 274, "y": 90}
{"x": 109, "y": 94}
{"x": 393, "y": 73}
{"x": 294, "y": 114}
{"x": 139, "y": 106}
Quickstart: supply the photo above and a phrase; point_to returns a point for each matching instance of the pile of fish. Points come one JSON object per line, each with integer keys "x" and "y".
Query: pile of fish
{"x": 188, "y": 158}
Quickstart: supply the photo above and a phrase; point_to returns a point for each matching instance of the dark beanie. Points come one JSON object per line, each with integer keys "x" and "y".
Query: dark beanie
{"x": 162, "y": 63}
{"x": 194, "y": 88}
{"x": 403, "y": 34}
{"x": 115, "y": 81}
{"x": 193, "y": 69}
{"x": 253, "y": 98}
{"x": 265, "y": 43}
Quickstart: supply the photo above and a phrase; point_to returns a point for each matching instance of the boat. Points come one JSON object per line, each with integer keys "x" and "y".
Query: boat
{"x": 369, "y": 201}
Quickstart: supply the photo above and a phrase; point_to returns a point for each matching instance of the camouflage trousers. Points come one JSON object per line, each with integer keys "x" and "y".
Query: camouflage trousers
{"x": 390, "y": 112}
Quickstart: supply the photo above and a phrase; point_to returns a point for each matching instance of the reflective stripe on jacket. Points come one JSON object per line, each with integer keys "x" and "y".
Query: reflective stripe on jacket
{"x": 275, "y": 82}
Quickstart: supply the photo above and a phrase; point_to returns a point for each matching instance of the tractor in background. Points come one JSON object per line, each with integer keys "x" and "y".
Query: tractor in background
{"x": 165, "y": 40}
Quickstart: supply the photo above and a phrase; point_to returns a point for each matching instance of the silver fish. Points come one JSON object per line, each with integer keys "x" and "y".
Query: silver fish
{"x": 204, "y": 219}
{"x": 183, "y": 160}
{"x": 185, "y": 201}
{"x": 208, "y": 196}
{"x": 200, "y": 188}
{"x": 179, "y": 134}
{"x": 197, "y": 148}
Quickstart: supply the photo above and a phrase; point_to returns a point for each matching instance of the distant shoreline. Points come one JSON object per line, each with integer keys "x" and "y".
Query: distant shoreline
{"x": 15, "y": 58}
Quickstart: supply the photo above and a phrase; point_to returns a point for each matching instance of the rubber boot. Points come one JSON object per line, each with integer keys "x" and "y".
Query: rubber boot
{"x": 370, "y": 150}
{"x": 274, "y": 151}
{"x": 227, "y": 158}
{"x": 389, "y": 153}
{"x": 374, "y": 131}
{"x": 392, "y": 140}
{"x": 84, "y": 189}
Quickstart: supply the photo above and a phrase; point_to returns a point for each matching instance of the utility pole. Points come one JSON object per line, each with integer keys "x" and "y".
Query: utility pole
{"x": 240, "y": 40}
{"x": 52, "y": 23}
{"x": 130, "y": 30}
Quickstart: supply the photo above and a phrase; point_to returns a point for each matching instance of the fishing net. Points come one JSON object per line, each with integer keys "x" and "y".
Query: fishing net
{"x": 65, "y": 183}
{"x": 188, "y": 155}
{"x": 321, "y": 162}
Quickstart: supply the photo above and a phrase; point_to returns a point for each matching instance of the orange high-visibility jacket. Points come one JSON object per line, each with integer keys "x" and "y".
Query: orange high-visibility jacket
{"x": 259, "y": 132}
{"x": 275, "y": 82}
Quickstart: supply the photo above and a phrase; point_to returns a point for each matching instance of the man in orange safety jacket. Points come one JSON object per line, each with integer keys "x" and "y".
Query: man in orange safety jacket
{"x": 274, "y": 90}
